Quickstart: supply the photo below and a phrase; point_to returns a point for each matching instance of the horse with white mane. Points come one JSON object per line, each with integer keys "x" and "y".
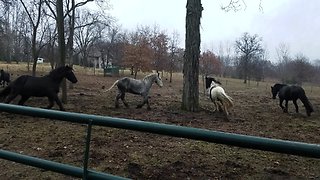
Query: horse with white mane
{"x": 220, "y": 99}
{"x": 135, "y": 86}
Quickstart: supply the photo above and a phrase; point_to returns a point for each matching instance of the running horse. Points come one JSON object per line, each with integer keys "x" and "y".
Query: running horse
{"x": 291, "y": 93}
{"x": 221, "y": 100}
{"x": 136, "y": 86}
{"x": 47, "y": 86}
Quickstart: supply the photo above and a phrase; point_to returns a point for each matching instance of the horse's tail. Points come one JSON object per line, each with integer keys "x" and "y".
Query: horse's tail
{"x": 14, "y": 85}
{"x": 228, "y": 99}
{"x": 304, "y": 99}
{"x": 116, "y": 82}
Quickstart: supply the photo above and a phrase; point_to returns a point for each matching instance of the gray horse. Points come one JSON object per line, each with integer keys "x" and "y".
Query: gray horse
{"x": 134, "y": 86}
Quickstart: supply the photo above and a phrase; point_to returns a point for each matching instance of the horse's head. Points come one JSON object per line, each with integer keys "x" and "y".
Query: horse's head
{"x": 159, "y": 80}
{"x": 70, "y": 75}
{"x": 274, "y": 92}
{"x": 309, "y": 111}
{"x": 276, "y": 88}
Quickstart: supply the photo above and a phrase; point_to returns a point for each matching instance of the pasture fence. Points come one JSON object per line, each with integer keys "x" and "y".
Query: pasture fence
{"x": 245, "y": 141}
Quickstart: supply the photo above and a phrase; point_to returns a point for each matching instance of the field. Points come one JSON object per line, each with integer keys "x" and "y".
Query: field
{"x": 139, "y": 155}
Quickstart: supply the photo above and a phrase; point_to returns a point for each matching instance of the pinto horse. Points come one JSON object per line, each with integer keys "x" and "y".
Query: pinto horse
{"x": 291, "y": 93}
{"x": 134, "y": 86}
{"x": 46, "y": 86}
{"x": 221, "y": 100}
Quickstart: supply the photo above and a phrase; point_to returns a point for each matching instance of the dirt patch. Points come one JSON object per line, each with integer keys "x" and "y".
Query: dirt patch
{"x": 148, "y": 156}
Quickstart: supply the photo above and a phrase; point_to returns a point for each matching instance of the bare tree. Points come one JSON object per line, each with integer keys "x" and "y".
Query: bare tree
{"x": 35, "y": 16}
{"x": 225, "y": 57}
{"x": 159, "y": 44}
{"x": 88, "y": 31}
{"x": 138, "y": 52}
{"x": 248, "y": 47}
{"x": 173, "y": 53}
{"x": 283, "y": 53}
{"x": 300, "y": 70}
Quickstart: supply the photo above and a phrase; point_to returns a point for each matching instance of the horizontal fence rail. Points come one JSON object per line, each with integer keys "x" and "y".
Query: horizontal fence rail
{"x": 55, "y": 167}
{"x": 245, "y": 141}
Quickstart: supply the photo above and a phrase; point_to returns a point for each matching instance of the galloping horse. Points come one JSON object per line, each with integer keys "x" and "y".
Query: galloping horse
{"x": 220, "y": 99}
{"x": 4, "y": 77}
{"x": 291, "y": 93}
{"x": 46, "y": 86}
{"x": 134, "y": 86}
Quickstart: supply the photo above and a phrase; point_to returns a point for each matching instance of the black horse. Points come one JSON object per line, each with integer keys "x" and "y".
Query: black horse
{"x": 291, "y": 93}
{"x": 4, "y": 77}
{"x": 46, "y": 86}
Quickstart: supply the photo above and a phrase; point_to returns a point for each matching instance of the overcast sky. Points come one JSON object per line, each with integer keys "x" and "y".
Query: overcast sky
{"x": 293, "y": 22}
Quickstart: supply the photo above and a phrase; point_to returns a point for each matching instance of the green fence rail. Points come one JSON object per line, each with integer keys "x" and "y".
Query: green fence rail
{"x": 245, "y": 141}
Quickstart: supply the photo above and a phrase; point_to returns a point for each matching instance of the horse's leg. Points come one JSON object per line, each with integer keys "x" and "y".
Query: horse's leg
{"x": 122, "y": 96}
{"x": 51, "y": 103}
{"x": 296, "y": 105}
{"x": 225, "y": 109}
{"x": 145, "y": 100}
{"x": 148, "y": 105}
{"x": 117, "y": 99}
{"x": 220, "y": 106}
{"x": 286, "y": 107}
{"x": 10, "y": 97}
{"x": 280, "y": 104}
{"x": 215, "y": 106}
{"x": 23, "y": 100}
{"x": 55, "y": 97}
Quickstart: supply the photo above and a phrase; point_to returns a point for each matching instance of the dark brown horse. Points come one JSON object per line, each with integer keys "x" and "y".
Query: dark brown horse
{"x": 291, "y": 93}
{"x": 47, "y": 86}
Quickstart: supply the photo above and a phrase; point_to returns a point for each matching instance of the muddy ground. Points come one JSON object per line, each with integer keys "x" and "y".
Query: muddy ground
{"x": 139, "y": 155}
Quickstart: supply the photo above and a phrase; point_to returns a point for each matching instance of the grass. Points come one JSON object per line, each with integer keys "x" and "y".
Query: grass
{"x": 313, "y": 90}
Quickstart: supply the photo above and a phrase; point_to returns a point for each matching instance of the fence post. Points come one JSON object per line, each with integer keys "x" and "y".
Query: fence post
{"x": 87, "y": 150}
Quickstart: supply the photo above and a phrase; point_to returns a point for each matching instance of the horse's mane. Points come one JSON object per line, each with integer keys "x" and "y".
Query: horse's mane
{"x": 150, "y": 76}
{"x": 58, "y": 71}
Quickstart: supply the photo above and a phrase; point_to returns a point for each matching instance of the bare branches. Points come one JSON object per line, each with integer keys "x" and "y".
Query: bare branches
{"x": 249, "y": 45}
{"x": 249, "y": 48}
{"x": 237, "y": 5}
{"x": 234, "y": 5}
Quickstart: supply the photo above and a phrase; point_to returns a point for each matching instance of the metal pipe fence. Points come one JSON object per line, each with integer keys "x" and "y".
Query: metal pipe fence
{"x": 245, "y": 141}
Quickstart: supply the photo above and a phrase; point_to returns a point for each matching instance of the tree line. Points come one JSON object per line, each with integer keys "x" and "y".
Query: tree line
{"x": 70, "y": 32}
{"x": 28, "y": 30}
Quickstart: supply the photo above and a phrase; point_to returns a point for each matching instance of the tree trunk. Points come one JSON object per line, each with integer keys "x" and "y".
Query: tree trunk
{"x": 70, "y": 39}
{"x": 34, "y": 51}
{"x": 190, "y": 97}
{"x": 62, "y": 45}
